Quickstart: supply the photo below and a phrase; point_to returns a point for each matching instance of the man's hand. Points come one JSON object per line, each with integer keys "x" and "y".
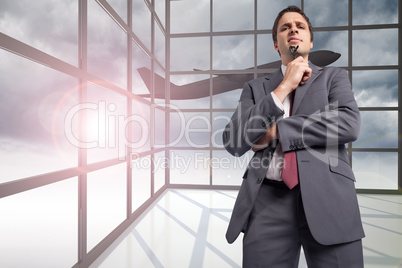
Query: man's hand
{"x": 297, "y": 73}
{"x": 269, "y": 136}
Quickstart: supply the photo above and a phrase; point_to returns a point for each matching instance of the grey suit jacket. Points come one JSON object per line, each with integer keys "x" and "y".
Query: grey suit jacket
{"x": 324, "y": 118}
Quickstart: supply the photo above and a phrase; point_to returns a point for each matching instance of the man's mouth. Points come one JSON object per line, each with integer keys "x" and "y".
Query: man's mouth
{"x": 294, "y": 40}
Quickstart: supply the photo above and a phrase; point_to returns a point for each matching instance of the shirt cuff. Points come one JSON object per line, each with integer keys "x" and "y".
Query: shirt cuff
{"x": 277, "y": 101}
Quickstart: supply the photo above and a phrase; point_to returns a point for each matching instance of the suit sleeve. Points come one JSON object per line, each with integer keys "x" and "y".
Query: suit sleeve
{"x": 335, "y": 124}
{"x": 251, "y": 120}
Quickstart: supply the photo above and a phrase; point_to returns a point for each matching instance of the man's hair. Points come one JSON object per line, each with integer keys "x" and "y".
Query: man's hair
{"x": 286, "y": 10}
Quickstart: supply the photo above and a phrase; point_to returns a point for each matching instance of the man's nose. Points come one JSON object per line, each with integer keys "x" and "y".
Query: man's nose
{"x": 293, "y": 29}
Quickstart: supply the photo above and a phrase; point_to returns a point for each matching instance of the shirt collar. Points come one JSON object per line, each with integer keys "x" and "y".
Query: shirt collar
{"x": 283, "y": 68}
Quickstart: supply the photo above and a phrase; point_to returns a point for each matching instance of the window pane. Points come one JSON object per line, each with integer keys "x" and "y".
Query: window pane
{"x": 120, "y": 6}
{"x": 160, "y": 10}
{"x": 141, "y": 181}
{"x": 159, "y": 128}
{"x": 334, "y": 41}
{"x": 35, "y": 135}
{"x": 160, "y": 164}
{"x": 379, "y": 129}
{"x": 327, "y": 12}
{"x": 265, "y": 51}
{"x": 140, "y": 124}
{"x": 189, "y": 16}
{"x": 50, "y": 26}
{"x": 160, "y": 42}
{"x": 375, "y": 47}
{"x": 142, "y": 22}
{"x": 107, "y": 46}
{"x": 267, "y": 10}
{"x": 241, "y": 15}
{"x": 190, "y": 129}
{"x": 41, "y": 225}
{"x": 106, "y": 122}
{"x": 233, "y": 52}
{"x": 160, "y": 87}
{"x": 219, "y": 121}
{"x": 188, "y": 54}
{"x": 189, "y": 167}
{"x": 107, "y": 202}
{"x": 366, "y": 12}
{"x": 231, "y": 98}
{"x": 375, "y": 170}
{"x": 377, "y": 88}
{"x": 141, "y": 71}
{"x": 190, "y": 91}
{"x": 227, "y": 169}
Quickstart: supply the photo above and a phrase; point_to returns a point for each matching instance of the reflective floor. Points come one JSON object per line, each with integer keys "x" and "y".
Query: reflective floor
{"x": 185, "y": 228}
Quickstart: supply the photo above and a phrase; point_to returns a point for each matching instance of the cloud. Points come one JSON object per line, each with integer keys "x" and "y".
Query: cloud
{"x": 47, "y": 25}
{"x": 230, "y": 17}
{"x": 327, "y": 12}
{"x": 233, "y": 52}
{"x": 378, "y": 130}
{"x": 268, "y": 10}
{"x": 366, "y": 12}
{"x": 375, "y": 47}
{"x": 190, "y": 53}
{"x": 377, "y": 88}
{"x": 107, "y": 46}
{"x": 189, "y": 16}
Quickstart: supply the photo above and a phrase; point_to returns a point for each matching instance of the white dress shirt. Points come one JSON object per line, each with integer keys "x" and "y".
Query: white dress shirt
{"x": 275, "y": 166}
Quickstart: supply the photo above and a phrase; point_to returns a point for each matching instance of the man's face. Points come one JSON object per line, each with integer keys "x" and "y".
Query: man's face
{"x": 293, "y": 31}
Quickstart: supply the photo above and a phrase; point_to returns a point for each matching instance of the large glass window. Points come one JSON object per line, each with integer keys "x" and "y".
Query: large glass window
{"x": 81, "y": 103}
{"x": 369, "y": 52}
{"x": 68, "y": 124}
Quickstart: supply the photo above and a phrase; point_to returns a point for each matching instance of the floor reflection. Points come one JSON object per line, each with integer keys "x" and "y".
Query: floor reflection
{"x": 185, "y": 228}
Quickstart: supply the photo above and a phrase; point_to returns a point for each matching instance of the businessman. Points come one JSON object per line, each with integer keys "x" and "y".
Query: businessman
{"x": 298, "y": 189}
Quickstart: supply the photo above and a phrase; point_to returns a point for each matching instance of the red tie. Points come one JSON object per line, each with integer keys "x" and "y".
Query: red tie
{"x": 289, "y": 171}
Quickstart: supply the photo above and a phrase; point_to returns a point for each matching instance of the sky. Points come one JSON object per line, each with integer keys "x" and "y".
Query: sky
{"x": 36, "y": 100}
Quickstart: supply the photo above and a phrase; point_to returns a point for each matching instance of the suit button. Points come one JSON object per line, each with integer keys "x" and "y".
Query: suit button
{"x": 300, "y": 146}
{"x": 291, "y": 147}
{"x": 259, "y": 180}
{"x": 263, "y": 124}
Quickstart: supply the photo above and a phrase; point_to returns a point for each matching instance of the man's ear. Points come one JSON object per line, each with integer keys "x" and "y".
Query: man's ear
{"x": 276, "y": 46}
{"x": 311, "y": 44}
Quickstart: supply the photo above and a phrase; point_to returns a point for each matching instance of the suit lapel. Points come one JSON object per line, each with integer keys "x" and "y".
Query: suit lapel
{"x": 273, "y": 81}
{"x": 301, "y": 90}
